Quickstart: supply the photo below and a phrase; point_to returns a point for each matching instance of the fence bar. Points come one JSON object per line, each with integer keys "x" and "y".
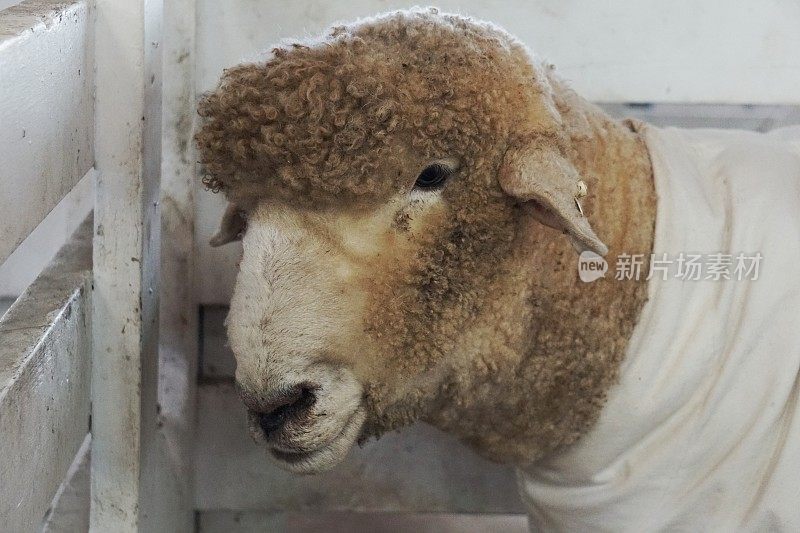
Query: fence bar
{"x": 45, "y": 111}
{"x": 45, "y": 349}
{"x": 178, "y": 308}
{"x": 125, "y": 492}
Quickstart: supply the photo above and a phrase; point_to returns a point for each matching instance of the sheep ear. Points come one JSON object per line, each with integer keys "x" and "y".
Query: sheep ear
{"x": 231, "y": 227}
{"x": 550, "y": 187}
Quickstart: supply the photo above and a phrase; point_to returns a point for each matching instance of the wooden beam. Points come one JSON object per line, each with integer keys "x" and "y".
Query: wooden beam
{"x": 44, "y": 383}
{"x": 45, "y": 111}
{"x": 125, "y": 494}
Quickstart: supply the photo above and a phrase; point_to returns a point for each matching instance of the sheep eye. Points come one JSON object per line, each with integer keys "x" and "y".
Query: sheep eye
{"x": 432, "y": 177}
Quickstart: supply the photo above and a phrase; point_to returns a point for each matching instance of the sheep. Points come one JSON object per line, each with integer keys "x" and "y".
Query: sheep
{"x": 411, "y": 190}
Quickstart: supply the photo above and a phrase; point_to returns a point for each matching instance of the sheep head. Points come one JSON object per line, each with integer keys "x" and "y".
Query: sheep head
{"x": 383, "y": 178}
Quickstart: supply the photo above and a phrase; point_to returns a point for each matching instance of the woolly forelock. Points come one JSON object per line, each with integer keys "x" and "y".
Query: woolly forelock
{"x": 354, "y": 116}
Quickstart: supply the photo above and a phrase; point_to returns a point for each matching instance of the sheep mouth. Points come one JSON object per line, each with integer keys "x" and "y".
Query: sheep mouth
{"x": 324, "y": 457}
{"x": 295, "y": 460}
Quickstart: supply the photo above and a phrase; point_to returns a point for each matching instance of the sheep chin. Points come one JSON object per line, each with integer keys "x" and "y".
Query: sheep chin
{"x": 325, "y": 457}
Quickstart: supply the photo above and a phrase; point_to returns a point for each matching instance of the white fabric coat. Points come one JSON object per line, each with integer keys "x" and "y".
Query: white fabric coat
{"x": 702, "y": 432}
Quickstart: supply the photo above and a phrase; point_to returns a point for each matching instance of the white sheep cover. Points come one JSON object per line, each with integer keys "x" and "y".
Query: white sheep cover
{"x": 702, "y": 433}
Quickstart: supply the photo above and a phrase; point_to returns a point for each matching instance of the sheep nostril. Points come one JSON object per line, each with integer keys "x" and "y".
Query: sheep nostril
{"x": 270, "y": 422}
{"x": 298, "y": 402}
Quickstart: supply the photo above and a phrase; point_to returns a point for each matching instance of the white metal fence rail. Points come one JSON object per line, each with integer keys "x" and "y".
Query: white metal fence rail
{"x": 80, "y": 87}
{"x": 46, "y": 118}
{"x": 44, "y": 383}
{"x": 46, "y": 132}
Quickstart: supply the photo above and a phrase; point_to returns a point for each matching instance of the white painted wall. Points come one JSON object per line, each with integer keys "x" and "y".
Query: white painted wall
{"x": 8, "y": 3}
{"x": 626, "y": 50}
{"x": 685, "y": 51}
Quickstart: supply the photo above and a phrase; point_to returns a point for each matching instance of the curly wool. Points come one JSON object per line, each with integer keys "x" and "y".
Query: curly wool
{"x": 343, "y": 116}
{"x": 483, "y": 302}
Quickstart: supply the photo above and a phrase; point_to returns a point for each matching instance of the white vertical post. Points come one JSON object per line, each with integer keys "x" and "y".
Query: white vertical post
{"x": 126, "y": 264}
{"x": 178, "y": 308}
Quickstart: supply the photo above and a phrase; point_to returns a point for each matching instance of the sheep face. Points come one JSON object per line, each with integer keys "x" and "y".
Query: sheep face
{"x": 345, "y": 322}
{"x": 385, "y": 176}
